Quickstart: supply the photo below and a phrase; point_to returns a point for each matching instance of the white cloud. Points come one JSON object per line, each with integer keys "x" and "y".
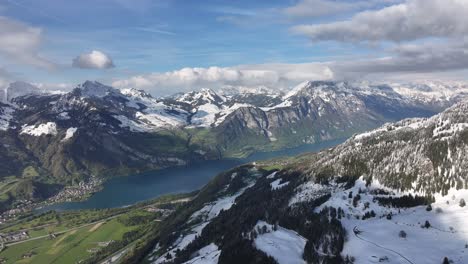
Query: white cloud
{"x": 55, "y": 87}
{"x": 270, "y": 75}
{"x": 5, "y": 79}
{"x": 93, "y": 60}
{"x": 426, "y": 59}
{"x": 411, "y": 58}
{"x": 412, "y": 20}
{"x": 318, "y": 8}
{"x": 20, "y": 43}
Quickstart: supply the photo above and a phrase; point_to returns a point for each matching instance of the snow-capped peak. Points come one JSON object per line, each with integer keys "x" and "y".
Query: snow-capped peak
{"x": 318, "y": 87}
{"x": 230, "y": 90}
{"x": 297, "y": 89}
{"x": 135, "y": 93}
{"x": 430, "y": 90}
{"x": 202, "y": 97}
{"x": 96, "y": 89}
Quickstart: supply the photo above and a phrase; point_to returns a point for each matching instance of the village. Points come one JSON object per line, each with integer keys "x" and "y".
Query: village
{"x": 77, "y": 192}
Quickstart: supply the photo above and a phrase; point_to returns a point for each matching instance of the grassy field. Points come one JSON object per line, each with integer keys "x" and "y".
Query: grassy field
{"x": 70, "y": 247}
{"x": 81, "y": 236}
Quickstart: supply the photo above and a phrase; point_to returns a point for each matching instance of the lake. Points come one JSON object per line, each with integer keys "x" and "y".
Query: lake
{"x": 124, "y": 191}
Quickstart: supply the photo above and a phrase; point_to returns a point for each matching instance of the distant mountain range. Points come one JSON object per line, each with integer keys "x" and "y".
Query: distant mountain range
{"x": 396, "y": 194}
{"x": 96, "y": 130}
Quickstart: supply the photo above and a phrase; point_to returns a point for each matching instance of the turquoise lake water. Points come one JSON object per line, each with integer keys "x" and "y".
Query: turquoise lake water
{"x": 124, "y": 191}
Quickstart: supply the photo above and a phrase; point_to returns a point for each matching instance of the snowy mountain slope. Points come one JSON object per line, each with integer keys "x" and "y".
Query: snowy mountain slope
{"x": 403, "y": 237}
{"x": 393, "y": 195}
{"x": 425, "y": 155}
{"x": 208, "y": 109}
{"x": 431, "y": 91}
{"x": 284, "y": 245}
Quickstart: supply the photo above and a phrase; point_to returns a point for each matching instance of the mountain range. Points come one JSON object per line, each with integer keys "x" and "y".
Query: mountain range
{"x": 53, "y": 139}
{"x": 395, "y": 194}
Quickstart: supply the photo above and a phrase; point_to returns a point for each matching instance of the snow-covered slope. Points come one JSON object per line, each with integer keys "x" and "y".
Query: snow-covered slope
{"x": 403, "y": 237}
{"x": 284, "y": 245}
{"x": 431, "y": 91}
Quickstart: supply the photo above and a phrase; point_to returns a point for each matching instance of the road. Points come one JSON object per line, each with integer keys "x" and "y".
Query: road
{"x": 64, "y": 231}
{"x": 95, "y": 222}
{"x": 114, "y": 257}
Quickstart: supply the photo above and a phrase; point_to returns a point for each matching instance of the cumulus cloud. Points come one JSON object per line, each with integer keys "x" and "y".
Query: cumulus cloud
{"x": 93, "y": 60}
{"x": 412, "y": 20}
{"x": 55, "y": 87}
{"x": 20, "y": 43}
{"x": 428, "y": 58}
{"x": 270, "y": 75}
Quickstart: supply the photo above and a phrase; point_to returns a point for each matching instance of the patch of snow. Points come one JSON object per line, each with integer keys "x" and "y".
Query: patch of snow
{"x": 369, "y": 134}
{"x": 182, "y": 242}
{"x": 69, "y": 134}
{"x": 271, "y": 137}
{"x": 221, "y": 115}
{"x": 49, "y": 128}
{"x": 272, "y": 176}
{"x": 309, "y": 191}
{"x": 275, "y": 185}
{"x": 64, "y": 116}
{"x": 206, "y": 255}
{"x": 147, "y": 122}
{"x": 284, "y": 245}
{"x": 285, "y": 103}
{"x": 158, "y": 120}
{"x": 205, "y": 115}
{"x": 125, "y": 122}
{"x": 211, "y": 210}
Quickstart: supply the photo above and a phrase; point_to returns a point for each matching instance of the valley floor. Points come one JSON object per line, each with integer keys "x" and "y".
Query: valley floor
{"x": 86, "y": 236}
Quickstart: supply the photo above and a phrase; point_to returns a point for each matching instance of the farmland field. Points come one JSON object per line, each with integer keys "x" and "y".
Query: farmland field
{"x": 80, "y": 236}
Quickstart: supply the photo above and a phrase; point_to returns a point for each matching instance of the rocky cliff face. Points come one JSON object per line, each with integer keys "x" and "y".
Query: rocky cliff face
{"x": 318, "y": 111}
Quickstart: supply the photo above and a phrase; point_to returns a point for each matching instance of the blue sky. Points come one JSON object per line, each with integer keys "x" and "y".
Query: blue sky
{"x": 144, "y": 37}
